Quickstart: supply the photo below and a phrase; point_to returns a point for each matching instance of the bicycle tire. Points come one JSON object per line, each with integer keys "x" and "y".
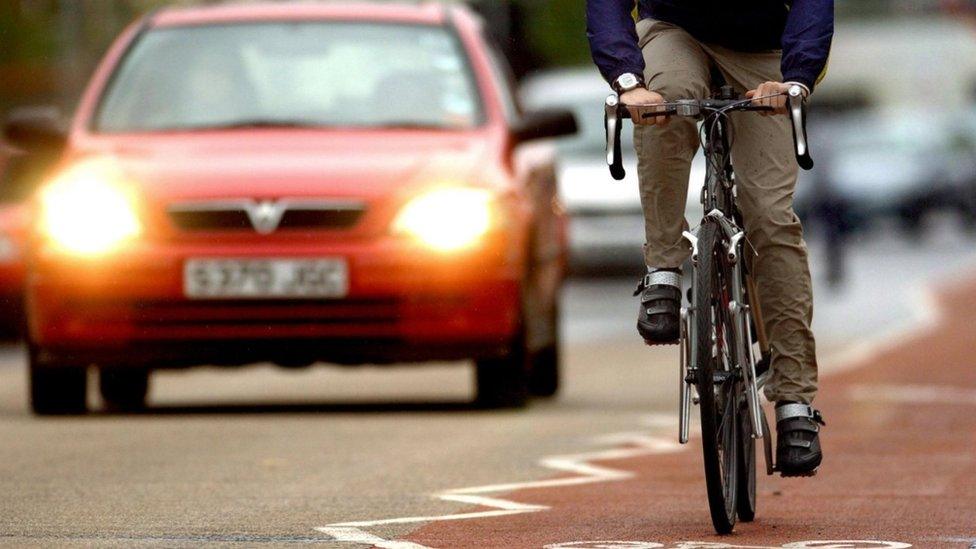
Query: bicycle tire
{"x": 719, "y": 408}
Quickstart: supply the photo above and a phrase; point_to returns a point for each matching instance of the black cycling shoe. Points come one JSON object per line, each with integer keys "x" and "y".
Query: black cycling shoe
{"x": 798, "y": 451}
{"x": 659, "y": 316}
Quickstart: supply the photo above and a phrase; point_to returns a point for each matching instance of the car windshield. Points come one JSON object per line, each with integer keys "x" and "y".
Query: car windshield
{"x": 292, "y": 74}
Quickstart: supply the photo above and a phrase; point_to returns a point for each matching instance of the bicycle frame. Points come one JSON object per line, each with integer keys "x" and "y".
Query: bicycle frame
{"x": 718, "y": 199}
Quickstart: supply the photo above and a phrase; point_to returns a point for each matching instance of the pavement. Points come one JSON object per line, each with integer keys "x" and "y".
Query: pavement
{"x": 340, "y": 457}
{"x": 900, "y": 467}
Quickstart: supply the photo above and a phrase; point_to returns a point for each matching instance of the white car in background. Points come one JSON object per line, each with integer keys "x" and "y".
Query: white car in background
{"x": 606, "y": 224}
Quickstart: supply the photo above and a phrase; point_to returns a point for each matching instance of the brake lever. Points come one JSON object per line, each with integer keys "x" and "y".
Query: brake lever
{"x": 612, "y": 124}
{"x": 798, "y": 115}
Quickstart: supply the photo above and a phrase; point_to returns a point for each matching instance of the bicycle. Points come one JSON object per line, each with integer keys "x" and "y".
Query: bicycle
{"x": 724, "y": 354}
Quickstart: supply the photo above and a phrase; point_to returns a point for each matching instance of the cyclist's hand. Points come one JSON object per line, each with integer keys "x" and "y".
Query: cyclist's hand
{"x": 640, "y": 101}
{"x": 775, "y": 89}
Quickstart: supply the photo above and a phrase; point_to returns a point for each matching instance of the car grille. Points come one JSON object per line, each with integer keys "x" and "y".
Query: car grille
{"x": 300, "y": 312}
{"x": 266, "y": 217}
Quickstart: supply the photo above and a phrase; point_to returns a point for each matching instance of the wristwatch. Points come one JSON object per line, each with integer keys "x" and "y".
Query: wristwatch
{"x": 626, "y": 82}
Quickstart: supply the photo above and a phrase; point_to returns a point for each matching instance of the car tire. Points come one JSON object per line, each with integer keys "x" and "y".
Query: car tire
{"x": 124, "y": 389}
{"x": 544, "y": 379}
{"x": 57, "y": 389}
{"x": 503, "y": 382}
{"x": 545, "y": 374}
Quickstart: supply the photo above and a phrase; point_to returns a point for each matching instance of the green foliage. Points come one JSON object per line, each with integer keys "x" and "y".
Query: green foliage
{"x": 25, "y": 35}
{"x": 557, "y": 31}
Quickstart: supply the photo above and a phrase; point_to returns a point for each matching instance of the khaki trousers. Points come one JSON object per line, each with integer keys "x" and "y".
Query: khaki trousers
{"x": 678, "y": 66}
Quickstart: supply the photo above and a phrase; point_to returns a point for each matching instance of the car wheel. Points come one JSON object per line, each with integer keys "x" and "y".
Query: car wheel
{"x": 57, "y": 389}
{"x": 544, "y": 377}
{"x": 503, "y": 382}
{"x": 124, "y": 389}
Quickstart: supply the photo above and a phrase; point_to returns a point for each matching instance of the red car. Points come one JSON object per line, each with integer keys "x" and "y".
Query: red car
{"x": 297, "y": 183}
{"x": 13, "y": 226}
{"x": 13, "y": 235}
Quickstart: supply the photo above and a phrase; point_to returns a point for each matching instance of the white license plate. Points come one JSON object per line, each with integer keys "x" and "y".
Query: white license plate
{"x": 265, "y": 278}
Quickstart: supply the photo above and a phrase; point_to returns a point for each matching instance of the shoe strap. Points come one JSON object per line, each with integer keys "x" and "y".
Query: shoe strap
{"x": 659, "y": 278}
{"x": 795, "y": 410}
{"x": 792, "y": 410}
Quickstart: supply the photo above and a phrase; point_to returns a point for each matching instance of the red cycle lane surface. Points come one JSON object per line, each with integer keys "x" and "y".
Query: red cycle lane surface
{"x": 900, "y": 465}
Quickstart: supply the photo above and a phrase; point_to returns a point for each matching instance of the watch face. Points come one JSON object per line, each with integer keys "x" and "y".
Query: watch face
{"x": 627, "y": 81}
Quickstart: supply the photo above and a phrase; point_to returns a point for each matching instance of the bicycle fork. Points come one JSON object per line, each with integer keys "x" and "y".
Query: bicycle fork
{"x": 743, "y": 334}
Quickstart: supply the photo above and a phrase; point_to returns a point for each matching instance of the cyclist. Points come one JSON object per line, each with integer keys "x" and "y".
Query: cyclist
{"x": 763, "y": 46}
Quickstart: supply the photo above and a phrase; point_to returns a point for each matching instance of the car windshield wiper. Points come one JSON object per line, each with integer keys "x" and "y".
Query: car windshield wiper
{"x": 410, "y": 125}
{"x": 272, "y": 123}
{"x": 256, "y": 123}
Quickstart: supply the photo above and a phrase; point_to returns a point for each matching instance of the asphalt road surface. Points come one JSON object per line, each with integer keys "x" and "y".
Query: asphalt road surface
{"x": 379, "y": 456}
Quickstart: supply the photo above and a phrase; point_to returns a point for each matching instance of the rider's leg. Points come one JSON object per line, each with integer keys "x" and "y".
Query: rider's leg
{"x": 762, "y": 155}
{"x": 677, "y": 68}
{"x": 766, "y": 172}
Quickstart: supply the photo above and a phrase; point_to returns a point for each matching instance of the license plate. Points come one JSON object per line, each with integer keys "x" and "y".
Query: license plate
{"x": 265, "y": 278}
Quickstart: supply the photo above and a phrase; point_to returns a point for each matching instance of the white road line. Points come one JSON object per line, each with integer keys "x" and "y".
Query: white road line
{"x": 355, "y": 535}
{"x": 631, "y": 444}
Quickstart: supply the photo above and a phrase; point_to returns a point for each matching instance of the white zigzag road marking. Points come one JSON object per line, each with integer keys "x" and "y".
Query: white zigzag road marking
{"x": 630, "y": 445}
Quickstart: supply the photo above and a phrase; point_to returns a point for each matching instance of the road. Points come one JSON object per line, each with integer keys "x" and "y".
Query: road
{"x": 272, "y": 457}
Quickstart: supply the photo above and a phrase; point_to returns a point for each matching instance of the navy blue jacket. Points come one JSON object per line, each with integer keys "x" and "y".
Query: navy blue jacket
{"x": 802, "y": 28}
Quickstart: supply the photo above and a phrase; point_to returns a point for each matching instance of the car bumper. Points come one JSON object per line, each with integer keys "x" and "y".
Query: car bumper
{"x": 402, "y": 305}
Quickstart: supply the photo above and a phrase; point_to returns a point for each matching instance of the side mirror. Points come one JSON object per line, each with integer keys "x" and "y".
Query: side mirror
{"x": 36, "y": 129}
{"x": 546, "y": 123}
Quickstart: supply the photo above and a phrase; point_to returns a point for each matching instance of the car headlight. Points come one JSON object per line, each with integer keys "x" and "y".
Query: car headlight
{"x": 447, "y": 219}
{"x": 87, "y": 210}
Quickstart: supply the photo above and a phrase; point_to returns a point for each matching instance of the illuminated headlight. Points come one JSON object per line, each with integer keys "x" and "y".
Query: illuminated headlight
{"x": 447, "y": 219}
{"x": 87, "y": 210}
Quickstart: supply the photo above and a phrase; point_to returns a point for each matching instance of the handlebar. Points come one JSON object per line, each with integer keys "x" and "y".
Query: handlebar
{"x": 615, "y": 112}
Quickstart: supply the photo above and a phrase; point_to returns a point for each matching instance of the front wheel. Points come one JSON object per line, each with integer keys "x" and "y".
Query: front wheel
{"x": 55, "y": 388}
{"x": 503, "y": 382}
{"x": 124, "y": 389}
{"x": 718, "y": 388}
{"x": 546, "y": 362}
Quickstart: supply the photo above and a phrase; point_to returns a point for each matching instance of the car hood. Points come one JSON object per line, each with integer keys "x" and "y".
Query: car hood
{"x": 292, "y": 164}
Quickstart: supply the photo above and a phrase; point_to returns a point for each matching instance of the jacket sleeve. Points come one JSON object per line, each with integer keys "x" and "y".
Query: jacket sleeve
{"x": 613, "y": 38}
{"x": 806, "y": 41}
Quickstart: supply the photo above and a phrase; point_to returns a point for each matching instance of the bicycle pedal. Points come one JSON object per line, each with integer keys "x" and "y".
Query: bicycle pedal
{"x": 799, "y": 475}
{"x": 650, "y": 343}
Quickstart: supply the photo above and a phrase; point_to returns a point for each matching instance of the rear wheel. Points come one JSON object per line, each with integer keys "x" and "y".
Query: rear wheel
{"x": 717, "y": 387}
{"x": 746, "y": 501}
{"x": 56, "y": 388}
{"x": 124, "y": 389}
